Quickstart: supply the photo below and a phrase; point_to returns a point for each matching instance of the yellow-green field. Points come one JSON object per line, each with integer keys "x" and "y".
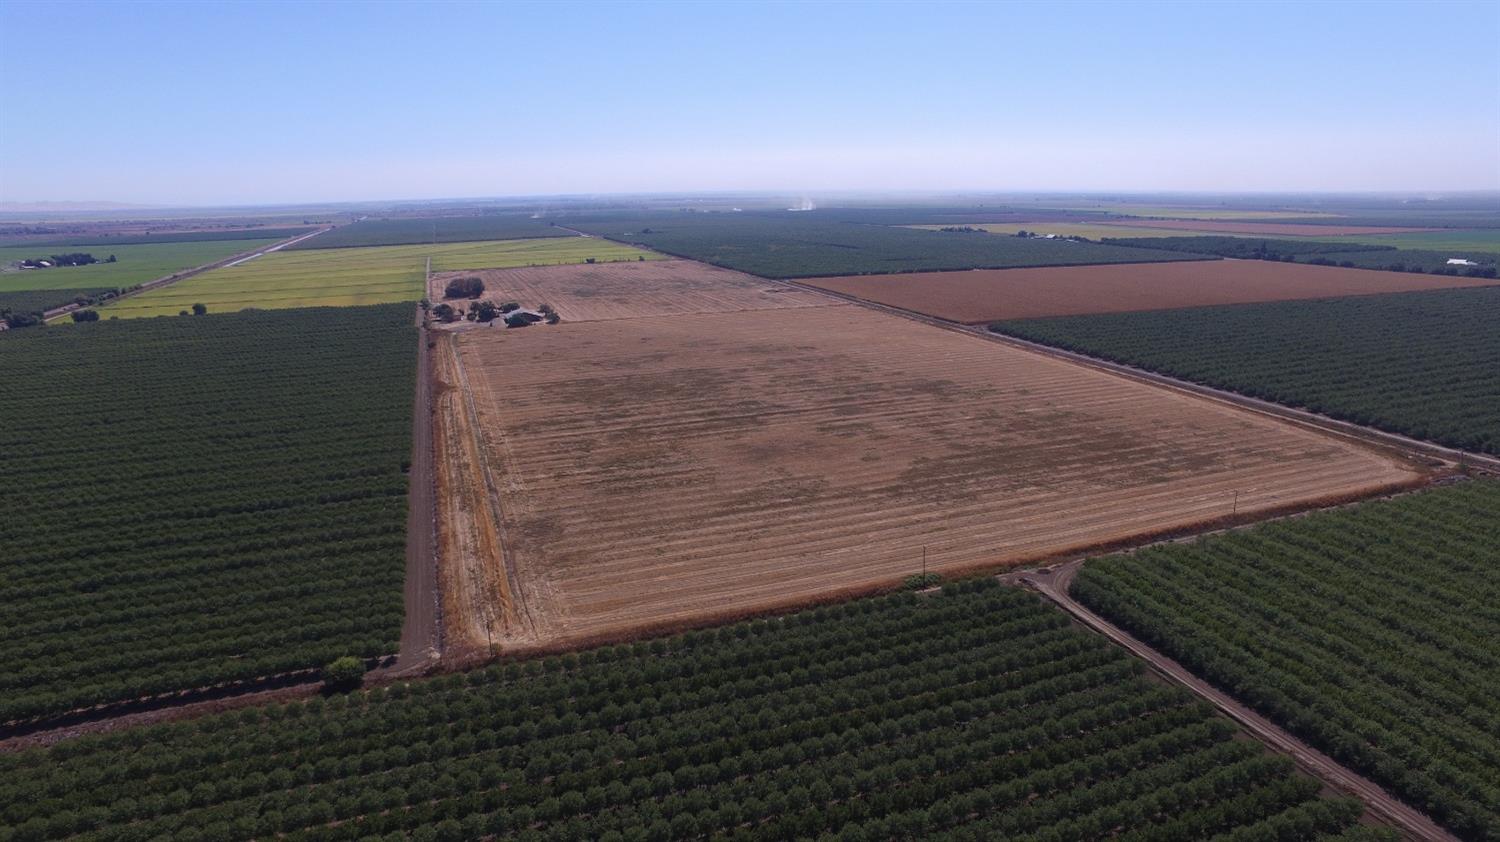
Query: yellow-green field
{"x": 1077, "y": 229}
{"x": 353, "y": 276}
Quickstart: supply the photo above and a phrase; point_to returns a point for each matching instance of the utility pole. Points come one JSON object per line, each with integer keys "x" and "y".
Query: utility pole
{"x": 924, "y": 562}
{"x": 1235, "y": 509}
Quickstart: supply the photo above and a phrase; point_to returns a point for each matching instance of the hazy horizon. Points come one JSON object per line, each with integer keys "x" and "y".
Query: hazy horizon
{"x": 244, "y": 104}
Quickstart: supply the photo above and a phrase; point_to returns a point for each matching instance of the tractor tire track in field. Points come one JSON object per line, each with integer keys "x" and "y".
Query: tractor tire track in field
{"x": 1053, "y": 583}
{"x": 168, "y": 280}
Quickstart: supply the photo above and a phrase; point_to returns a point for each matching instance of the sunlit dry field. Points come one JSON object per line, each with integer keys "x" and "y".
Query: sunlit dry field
{"x": 640, "y": 473}
{"x": 624, "y": 290}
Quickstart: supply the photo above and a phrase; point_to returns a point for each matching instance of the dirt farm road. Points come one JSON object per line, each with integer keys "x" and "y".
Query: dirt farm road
{"x": 1053, "y": 583}
{"x": 421, "y": 642}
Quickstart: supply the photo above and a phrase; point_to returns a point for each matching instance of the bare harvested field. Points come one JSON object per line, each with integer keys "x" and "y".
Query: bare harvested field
{"x": 646, "y": 473}
{"x": 1261, "y": 229}
{"x": 589, "y": 292}
{"x": 985, "y": 295}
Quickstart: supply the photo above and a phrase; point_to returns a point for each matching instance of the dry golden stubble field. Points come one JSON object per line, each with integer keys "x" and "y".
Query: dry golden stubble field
{"x": 646, "y": 473}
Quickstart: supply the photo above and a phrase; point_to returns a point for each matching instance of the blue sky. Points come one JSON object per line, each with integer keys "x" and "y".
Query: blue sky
{"x": 209, "y": 103}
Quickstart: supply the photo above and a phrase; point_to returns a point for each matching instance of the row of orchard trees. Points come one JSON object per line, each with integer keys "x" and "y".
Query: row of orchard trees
{"x": 1421, "y": 363}
{"x": 191, "y": 501}
{"x": 1369, "y": 632}
{"x": 976, "y": 713}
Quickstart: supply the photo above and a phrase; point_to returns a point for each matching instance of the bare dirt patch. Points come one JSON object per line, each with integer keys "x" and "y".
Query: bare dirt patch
{"x": 659, "y": 473}
{"x": 1261, "y": 229}
{"x": 990, "y": 294}
{"x": 623, "y": 290}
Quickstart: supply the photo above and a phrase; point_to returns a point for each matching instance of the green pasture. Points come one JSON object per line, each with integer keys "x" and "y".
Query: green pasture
{"x": 356, "y": 276}
{"x": 1456, "y": 240}
{"x": 134, "y": 264}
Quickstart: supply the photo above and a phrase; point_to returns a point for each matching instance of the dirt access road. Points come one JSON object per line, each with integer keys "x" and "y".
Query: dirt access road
{"x": 1054, "y": 582}
{"x": 421, "y": 634}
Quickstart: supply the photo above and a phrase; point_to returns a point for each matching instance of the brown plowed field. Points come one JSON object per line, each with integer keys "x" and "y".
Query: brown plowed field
{"x": 984, "y": 295}
{"x": 661, "y": 472}
{"x": 624, "y": 290}
{"x": 1261, "y": 229}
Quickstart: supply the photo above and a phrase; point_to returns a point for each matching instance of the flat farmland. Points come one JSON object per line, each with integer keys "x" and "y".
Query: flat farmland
{"x": 984, "y": 295}
{"x": 434, "y": 229}
{"x": 1089, "y": 230}
{"x": 589, "y": 292}
{"x": 1262, "y": 229}
{"x": 1200, "y": 213}
{"x": 355, "y": 276}
{"x": 645, "y": 473}
{"x": 1486, "y": 240}
{"x": 134, "y": 263}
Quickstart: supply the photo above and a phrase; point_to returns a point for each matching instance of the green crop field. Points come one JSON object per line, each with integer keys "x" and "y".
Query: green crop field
{"x": 976, "y": 713}
{"x": 199, "y": 499}
{"x": 1369, "y": 632}
{"x": 355, "y": 276}
{"x": 1457, "y": 241}
{"x": 134, "y": 264}
{"x": 1419, "y": 363}
{"x": 441, "y": 229}
{"x": 105, "y": 241}
{"x": 792, "y": 245}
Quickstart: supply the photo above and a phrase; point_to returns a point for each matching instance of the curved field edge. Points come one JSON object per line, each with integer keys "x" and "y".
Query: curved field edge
{"x": 1367, "y": 632}
{"x": 1421, "y": 364}
{"x": 975, "y": 712}
{"x": 199, "y": 500}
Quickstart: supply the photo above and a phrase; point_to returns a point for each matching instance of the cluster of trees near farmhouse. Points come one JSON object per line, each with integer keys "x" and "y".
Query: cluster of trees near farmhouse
{"x": 485, "y": 311}
{"x": 974, "y": 713}
{"x": 27, "y": 308}
{"x": 1369, "y": 632}
{"x": 246, "y": 518}
{"x": 76, "y": 258}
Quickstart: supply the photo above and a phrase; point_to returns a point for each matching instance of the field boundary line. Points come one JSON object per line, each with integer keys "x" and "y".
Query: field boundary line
{"x": 513, "y": 601}
{"x": 168, "y": 280}
{"x": 226, "y": 691}
{"x": 1053, "y": 584}
{"x": 1348, "y": 430}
